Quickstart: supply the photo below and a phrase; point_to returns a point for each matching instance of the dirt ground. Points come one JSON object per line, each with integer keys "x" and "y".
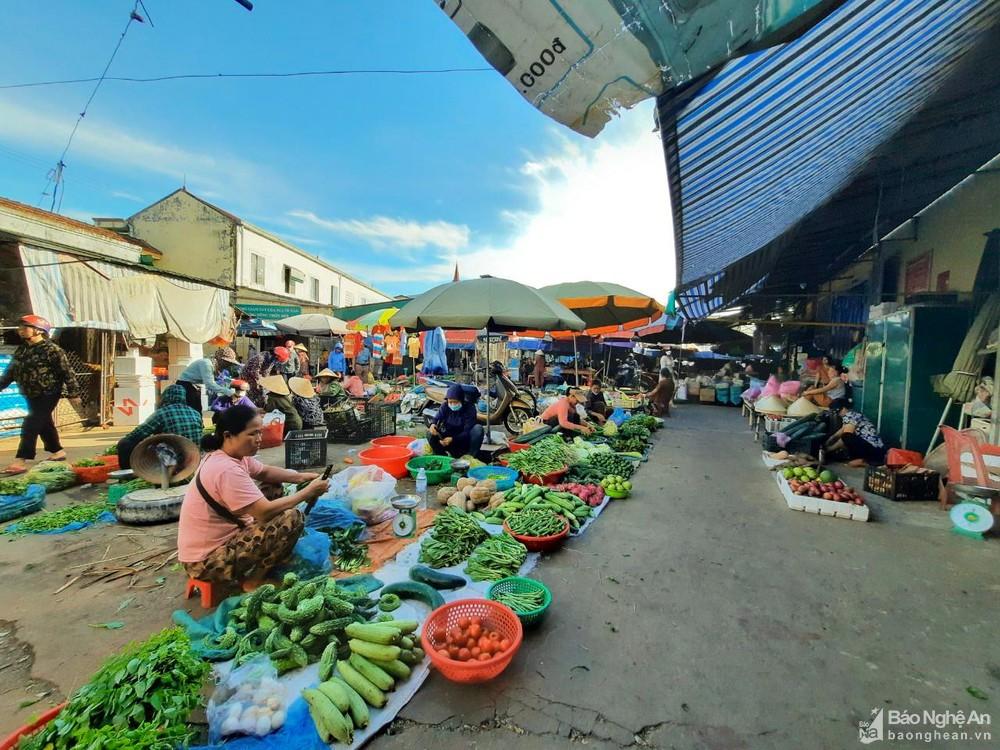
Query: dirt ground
{"x": 50, "y": 643}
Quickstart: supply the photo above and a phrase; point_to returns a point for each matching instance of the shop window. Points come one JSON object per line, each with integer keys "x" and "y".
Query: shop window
{"x": 314, "y": 289}
{"x": 257, "y": 269}
{"x": 348, "y": 299}
{"x": 335, "y": 296}
{"x": 292, "y": 278}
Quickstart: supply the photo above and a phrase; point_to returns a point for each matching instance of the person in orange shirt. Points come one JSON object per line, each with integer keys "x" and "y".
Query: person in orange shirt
{"x": 563, "y": 414}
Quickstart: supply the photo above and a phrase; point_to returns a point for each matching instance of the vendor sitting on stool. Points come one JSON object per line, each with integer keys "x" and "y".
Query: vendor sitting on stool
{"x": 456, "y": 429}
{"x": 858, "y": 437}
{"x": 229, "y": 532}
{"x": 597, "y": 407}
{"x": 173, "y": 416}
{"x": 563, "y": 414}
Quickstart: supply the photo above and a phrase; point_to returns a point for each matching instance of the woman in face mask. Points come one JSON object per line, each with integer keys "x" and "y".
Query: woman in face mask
{"x": 456, "y": 430}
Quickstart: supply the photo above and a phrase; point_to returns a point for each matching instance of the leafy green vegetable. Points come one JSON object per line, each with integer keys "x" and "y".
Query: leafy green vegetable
{"x": 452, "y": 539}
{"x": 548, "y": 455}
{"x": 85, "y": 463}
{"x": 56, "y": 519}
{"x": 138, "y": 700}
{"x": 113, "y": 625}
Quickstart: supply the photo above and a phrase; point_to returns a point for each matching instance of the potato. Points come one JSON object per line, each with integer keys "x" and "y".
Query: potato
{"x": 470, "y": 506}
{"x": 444, "y": 494}
{"x": 465, "y": 482}
{"x": 487, "y": 484}
{"x": 497, "y": 500}
{"x": 457, "y": 500}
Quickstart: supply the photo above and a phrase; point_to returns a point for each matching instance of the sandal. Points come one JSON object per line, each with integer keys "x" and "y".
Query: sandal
{"x": 54, "y": 457}
{"x": 14, "y": 469}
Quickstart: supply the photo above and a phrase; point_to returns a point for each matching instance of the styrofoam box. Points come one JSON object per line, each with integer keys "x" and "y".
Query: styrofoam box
{"x": 133, "y": 406}
{"x": 820, "y": 506}
{"x": 133, "y": 366}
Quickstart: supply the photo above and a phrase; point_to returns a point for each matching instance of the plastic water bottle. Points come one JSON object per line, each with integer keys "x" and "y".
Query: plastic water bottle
{"x": 422, "y": 488}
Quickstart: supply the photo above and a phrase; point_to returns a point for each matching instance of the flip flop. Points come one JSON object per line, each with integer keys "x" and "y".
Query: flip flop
{"x": 13, "y": 472}
{"x": 53, "y": 458}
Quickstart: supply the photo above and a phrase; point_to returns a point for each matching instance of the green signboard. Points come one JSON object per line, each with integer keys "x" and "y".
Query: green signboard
{"x": 269, "y": 312}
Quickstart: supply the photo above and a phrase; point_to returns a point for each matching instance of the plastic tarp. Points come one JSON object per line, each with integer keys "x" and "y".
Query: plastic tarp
{"x": 75, "y": 293}
{"x": 579, "y": 62}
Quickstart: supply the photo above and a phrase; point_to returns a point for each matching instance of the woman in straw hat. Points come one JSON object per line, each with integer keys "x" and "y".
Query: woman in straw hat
{"x": 277, "y": 398}
{"x": 305, "y": 402}
{"x": 173, "y": 416}
{"x": 229, "y": 533}
{"x": 260, "y": 366}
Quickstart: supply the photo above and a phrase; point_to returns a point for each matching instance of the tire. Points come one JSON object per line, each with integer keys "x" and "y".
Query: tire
{"x": 147, "y": 507}
{"x": 515, "y": 419}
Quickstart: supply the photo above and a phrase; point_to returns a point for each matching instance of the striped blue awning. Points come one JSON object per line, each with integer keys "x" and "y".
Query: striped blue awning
{"x": 774, "y": 136}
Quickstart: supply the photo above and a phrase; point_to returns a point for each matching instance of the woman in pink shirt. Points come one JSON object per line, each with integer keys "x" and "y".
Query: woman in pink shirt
{"x": 229, "y": 532}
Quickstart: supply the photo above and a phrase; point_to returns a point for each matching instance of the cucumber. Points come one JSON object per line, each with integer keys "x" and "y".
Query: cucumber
{"x": 415, "y": 590}
{"x": 435, "y": 579}
{"x": 534, "y": 435}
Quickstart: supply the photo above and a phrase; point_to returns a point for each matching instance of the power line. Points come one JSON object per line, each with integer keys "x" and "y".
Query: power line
{"x": 56, "y": 175}
{"x": 215, "y": 76}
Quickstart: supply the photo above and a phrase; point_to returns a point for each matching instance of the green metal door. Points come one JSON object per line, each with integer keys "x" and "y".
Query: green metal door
{"x": 896, "y": 380}
{"x": 874, "y": 357}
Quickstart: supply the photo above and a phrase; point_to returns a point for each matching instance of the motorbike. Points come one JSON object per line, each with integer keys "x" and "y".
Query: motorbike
{"x": 508, "y": 404}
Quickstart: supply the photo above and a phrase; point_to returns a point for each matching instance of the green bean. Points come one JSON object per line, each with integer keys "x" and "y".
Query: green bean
{"x": 498, "y": 557}
{"x": 56, "y": 519}
{"x": 520, "y": 601}
{"x": 535, "y": 523}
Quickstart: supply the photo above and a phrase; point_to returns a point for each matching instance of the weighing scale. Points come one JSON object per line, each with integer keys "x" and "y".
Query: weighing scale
{"x": 405, "y": 522}
{"x": 971, "y": 516}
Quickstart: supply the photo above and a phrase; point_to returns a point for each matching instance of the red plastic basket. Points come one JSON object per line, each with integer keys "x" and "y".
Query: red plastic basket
{"x": 496, "y": 616}
{"x": 111, "y": 461}
{"x": 541, "y": 543}
{"x": 515, "y": 447}
{"x": 92, "y": 474}
{"x": 554, "y": 478}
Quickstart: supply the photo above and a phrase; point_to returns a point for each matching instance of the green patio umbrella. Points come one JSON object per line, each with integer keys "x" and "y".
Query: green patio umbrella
{"x": 486, "y": 303}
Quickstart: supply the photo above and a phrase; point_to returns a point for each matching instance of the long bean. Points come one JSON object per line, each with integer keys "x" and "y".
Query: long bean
{"x": 520, "y": 601}
{"x": 498, "y": 557}
{"x": 535, "y": 523}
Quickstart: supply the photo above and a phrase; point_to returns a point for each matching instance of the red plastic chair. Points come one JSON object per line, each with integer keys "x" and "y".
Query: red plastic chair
{"x": 202, "y": 587}
{"x": 971, "y": 460}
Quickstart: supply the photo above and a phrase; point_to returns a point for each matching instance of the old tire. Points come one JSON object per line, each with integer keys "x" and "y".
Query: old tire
{"x": 151, "y": 506}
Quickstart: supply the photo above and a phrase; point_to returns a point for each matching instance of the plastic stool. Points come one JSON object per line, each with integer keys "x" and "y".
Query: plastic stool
{"x": 204, "y": 588}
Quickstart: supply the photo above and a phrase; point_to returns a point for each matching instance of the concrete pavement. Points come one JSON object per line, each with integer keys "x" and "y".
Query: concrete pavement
{"x": 703, "y": 613}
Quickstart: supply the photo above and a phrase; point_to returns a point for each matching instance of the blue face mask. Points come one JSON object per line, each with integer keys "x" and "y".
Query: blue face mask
{"x": 454, "y": 407}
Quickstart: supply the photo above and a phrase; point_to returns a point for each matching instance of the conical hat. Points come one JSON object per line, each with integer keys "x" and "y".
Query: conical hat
{"x": 275, "y": 384}
{"x": 146, "y": 465}
{"x": 770, "y": 405}
{"x": 803, "y": 407}
{"x": 301, "y": 387}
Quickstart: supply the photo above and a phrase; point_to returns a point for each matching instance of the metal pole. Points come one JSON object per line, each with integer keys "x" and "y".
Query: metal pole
{"x": 576, "y": 361}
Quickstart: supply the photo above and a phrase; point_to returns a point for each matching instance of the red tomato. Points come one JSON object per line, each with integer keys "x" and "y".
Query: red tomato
{"x": 475, "y": 651}
{"x": 464, "y": 654}
{"x": 484, "y": 657}
{"x": 444, "y": 652}
{"x": 475, "y": 631}
{"x": 463, "y": 622}
{"x": 470, "y": 642}
{"x": 494, "y": 635}
{"x": 504, "y": 644}
{"x": 484, "y": 644}
{"x": 476, "y": 620}
{"x": 456, "y": 635}
{"x": 439, "y": 635}
{"x": 453, "y": 651}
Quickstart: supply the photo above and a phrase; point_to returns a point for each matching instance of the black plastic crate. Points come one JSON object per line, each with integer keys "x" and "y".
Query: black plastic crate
{"x": 305, "y": 448}
{"x": 889, "y": 482}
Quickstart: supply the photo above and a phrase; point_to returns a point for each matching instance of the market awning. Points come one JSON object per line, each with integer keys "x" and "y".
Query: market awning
{"x": 789, "y": 162}
{"x": 76, "y": 293}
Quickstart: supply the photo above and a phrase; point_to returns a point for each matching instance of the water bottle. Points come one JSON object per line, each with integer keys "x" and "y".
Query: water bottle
{"x": 422, "y": 488}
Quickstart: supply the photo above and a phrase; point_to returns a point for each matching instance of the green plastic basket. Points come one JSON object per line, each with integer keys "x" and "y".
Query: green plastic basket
{"x": 434, "y": 476}
{"x": 518, "y": 585}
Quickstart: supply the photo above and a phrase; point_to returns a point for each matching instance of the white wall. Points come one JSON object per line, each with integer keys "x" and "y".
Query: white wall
{"x": 276, "y": 256}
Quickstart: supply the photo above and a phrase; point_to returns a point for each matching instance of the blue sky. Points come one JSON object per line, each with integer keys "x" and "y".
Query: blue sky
{"x": 393, "y": 178}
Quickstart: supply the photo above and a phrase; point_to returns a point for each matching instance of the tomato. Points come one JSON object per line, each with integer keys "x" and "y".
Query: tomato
{"x": 463, "y": 622}
{"x": 470, "y": 642}
{"x": 439, "y": 635}
{"x": 494, "y": 635}
{"x": 475, "y": 631}
{"x": 444, "y": 652}
{"x": 484, "y": 657}
{"x": 476, "y": 621}
{"x": 464, "y": 654}
{"x": 456, "y": 635}
{"x": 504, "y": 644}
{"x": 453, "y": 651}
{"x": 484, "y": 644}
{"x": 475, "y": 651}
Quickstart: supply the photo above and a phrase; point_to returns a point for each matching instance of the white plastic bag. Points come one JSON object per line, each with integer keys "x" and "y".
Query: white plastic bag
{"x": 249, "y": 701}
{"x": 420, "y": 447}
{"x": 369, "y": 489}
{"x": 274, "y": 417}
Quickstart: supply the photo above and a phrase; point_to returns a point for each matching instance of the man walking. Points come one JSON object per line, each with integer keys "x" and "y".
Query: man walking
{"x": 41, "y": 370}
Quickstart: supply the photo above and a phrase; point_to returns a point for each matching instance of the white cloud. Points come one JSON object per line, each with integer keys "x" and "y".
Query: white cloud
{"x": 102, "y": 142}
{"x": 602, "y": 214}
{"x": 382, "y": 231}
{"x": 127, "y": 196}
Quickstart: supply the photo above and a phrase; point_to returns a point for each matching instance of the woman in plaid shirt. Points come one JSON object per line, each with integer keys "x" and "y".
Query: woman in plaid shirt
{"x": 173, "y": 416}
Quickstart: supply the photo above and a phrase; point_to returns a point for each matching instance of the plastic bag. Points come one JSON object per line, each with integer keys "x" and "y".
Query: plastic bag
{"x": 420, "y": 447}
{"x": 249, "y": 701}
{"x": 369, "y": 490}
{"x": 618, "y": 416}
{"x": 310, "y": 557}
{"x": 15, "y": 506}
{"x": 328, "y": 513}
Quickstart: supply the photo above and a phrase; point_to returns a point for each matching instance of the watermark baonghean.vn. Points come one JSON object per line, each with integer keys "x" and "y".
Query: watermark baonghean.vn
{"x": 893, "y": 724}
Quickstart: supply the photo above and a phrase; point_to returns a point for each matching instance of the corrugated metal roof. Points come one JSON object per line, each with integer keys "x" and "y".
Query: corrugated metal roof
{"x": 63, "y": 221}
{"x": 783, "y": 162}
